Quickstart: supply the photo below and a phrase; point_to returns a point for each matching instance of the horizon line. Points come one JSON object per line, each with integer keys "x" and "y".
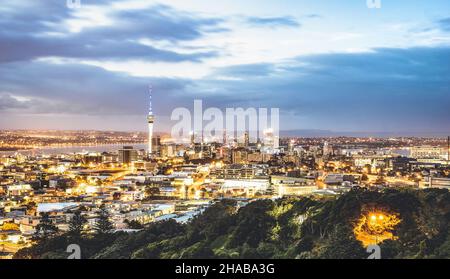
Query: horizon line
{"x": 307, "y": 133}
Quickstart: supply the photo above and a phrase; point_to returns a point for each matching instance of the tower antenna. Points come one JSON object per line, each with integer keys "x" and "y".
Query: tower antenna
{"x": 150, "y": 107}
{"x": 150, "y": 121}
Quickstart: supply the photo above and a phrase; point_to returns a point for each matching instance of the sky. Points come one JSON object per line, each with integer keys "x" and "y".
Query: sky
{"x": 333, "y": 66}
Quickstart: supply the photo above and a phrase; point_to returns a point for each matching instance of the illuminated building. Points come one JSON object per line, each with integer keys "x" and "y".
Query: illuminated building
{"x": 192, "y": 139}
{"x": 429, "y": 154}
{"x": 291, "y": 146}
{"x": 239, "y": 156}
{"x": 92, "y": 158}
{"x": 292, "y": 186}
{"x": 249, "y": 187}
{"x": 156, "y": 144}
{"x": 17, "y": 190}
{"x": 437, "y": 182}
{"x": 127, "y": 155}
{"x": 271, "y": 140}
{"x": 246, "y": 139}
{"x": 327, "y": 149}
{"x": 234, "y": 171}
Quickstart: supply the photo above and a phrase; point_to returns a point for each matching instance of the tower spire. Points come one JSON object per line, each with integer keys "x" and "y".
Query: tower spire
{"x": 150, "y": 120}
{"x": 150, "y": 92}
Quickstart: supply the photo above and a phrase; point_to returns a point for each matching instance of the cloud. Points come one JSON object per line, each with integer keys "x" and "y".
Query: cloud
{"x": 438, "y": 26}
{"x": 7, "y": 102}
{"x": 44, "y": 49}
{"x": 444, "y": 24}
{"x": 387, "y": 89}
{"x": 286, "y": 21}
{"x": 384, "y": 90}
{"x": 22, "y": 49}
{"x": 80, "y": 89}
{"x": 159, "y": 22}
{"x": 245, "y": 71}
{"x": 313, "y": 16}
{"x": 27, "y": 35}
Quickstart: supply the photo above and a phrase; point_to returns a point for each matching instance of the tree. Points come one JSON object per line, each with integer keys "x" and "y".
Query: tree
{"x": 103, "y": 224}
{"x": 76, "y": 224}
{"x": 134, "y": 225}
{"x": 342, "y": 245}
{"x": 254, "y": 224}
{"x": 36, "y": 185}
{"x": 45, "y": 229}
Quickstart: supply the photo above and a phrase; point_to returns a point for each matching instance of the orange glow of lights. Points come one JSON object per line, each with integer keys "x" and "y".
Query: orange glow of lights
{"x": 375, "y": 227}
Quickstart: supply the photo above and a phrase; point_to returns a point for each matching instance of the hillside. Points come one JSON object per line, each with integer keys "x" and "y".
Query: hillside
{"x": 410, "y": 224}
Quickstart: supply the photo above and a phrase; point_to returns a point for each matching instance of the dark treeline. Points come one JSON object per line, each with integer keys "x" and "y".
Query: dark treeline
{"x": 289, "y": 228}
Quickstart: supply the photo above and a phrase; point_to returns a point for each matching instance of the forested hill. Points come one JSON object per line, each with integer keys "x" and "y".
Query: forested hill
{"x": 405, "y": 223}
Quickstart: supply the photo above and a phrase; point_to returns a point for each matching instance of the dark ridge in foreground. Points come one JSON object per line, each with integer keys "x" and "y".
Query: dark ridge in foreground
{"x": 289, "y": 228}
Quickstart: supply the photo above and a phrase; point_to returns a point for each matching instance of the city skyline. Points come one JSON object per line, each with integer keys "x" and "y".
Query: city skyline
{"x": 334, "y": 69}
{"x": 252, "y": 131}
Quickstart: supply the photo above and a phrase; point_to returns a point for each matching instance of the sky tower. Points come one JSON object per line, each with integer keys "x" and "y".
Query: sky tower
{"x": 150, "y": 120}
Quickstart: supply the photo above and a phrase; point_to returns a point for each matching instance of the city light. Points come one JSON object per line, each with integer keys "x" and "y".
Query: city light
{"x": 376, "y": 227}
{"x": 224, "y": 130}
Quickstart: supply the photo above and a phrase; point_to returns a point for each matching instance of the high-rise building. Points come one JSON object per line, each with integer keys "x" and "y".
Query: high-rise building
{"x": 150, "y": 120}
{"x": 192, "y": 139}
{"x": 156, "y": 144}
{"x": 448, "y": 150}
{"x": 271, "y": 140}
{"x": 327, "y": 149}
{"x": 224, "y": 139}
{"x": 127, "y": 155}
{"x": 239, "y": 156}
{"x": 291, "y": 146}
{"x": 246, "y": 139}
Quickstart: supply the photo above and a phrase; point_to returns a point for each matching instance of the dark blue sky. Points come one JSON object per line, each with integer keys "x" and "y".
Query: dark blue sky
{"x": 327, "y": 66}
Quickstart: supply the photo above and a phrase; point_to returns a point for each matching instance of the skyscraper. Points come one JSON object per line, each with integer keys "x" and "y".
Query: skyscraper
{"x": 246, "y": 139}
{"x": 151, "y": 120}
{"x": 448, "y": 150}
{"x": 127, "y": 155}
{"x": 327, "y": 149}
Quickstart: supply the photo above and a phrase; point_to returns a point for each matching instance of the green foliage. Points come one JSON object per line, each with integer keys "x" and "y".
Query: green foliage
{"x": 76, "y": 225}
{"x": 45, "y": 229}
{"x": 135, "y": 225}
{"x": 254, "y": 224}
{"x": 103, "y": 225}
{"x": 341, "y": 244}
{"x": 301, "y": 228}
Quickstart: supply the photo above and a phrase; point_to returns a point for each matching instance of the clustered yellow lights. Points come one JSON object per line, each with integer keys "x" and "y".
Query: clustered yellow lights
{"x": 374, "y": 227}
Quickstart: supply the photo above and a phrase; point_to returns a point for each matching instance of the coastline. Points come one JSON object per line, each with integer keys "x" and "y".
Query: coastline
{"x": 72, "y": 149}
